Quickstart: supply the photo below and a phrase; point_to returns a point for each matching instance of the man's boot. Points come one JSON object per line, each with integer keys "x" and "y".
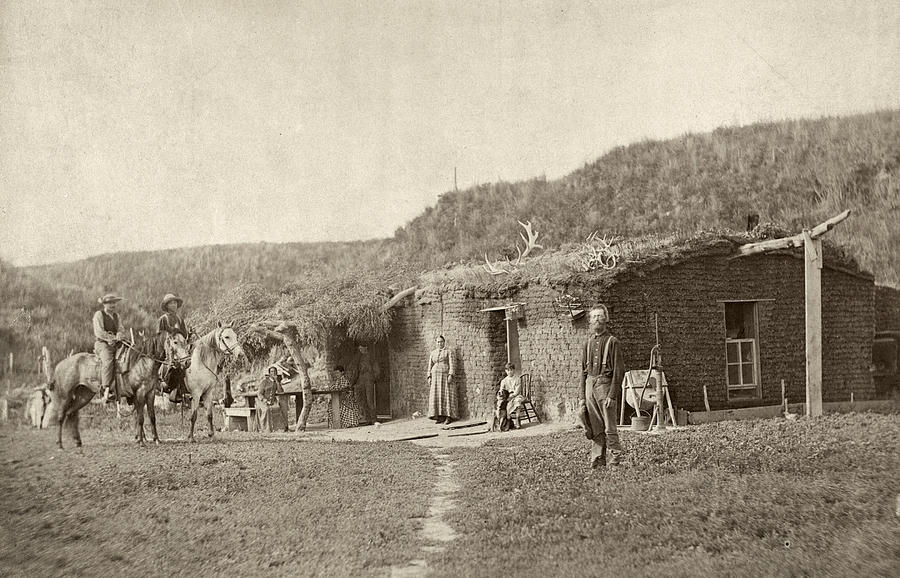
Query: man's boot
{"x": 109, "y": 394}
{"x": 175, "y": 394}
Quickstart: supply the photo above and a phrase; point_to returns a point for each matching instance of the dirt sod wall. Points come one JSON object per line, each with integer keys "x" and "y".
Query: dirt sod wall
{"x": 477, "y": 339}
{"x": 689, "y": 299}
{"x": 887, "y": 308}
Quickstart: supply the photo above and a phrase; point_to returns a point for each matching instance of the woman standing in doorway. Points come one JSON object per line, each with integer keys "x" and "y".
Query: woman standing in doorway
{"x": 442, "y": 396}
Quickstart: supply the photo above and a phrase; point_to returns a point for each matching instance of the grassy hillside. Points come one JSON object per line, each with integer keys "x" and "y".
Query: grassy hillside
{"x": 200, "y": 274}
{"x": 36, "y": 313}
{"x": 796, "y": 173}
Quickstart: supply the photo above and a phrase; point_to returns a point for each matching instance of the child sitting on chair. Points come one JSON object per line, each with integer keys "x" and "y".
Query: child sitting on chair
{"x": 512, "y": 385}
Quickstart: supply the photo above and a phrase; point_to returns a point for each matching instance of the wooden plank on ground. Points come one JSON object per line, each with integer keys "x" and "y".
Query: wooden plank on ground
{"x": 418, "y": 437}
{"x": 465, "y": 425}
{"x": 468, "y": 433}
{"x": 771, "y": 411}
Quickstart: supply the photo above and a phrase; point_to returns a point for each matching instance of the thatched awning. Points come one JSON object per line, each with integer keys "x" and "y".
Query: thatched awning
{"x": 322, "y": 310}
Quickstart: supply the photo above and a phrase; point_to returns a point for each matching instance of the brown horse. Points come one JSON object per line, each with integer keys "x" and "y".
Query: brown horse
{"x": 76, "y": 381}
{"x": 210, "y": 352}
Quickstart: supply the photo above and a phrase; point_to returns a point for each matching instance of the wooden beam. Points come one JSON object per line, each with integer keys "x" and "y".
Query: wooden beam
{"x": 828, "y": 225}
{"x": 813, "y": 279}
{"x": 790, "y": 242}
{"x": 283, "y": 334}
{"x": 399, "y": 297}
{"x": 770, "y": 245}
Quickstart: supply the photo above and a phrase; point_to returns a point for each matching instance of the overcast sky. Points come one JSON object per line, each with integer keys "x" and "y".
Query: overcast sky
{"x": 146, "y": 125}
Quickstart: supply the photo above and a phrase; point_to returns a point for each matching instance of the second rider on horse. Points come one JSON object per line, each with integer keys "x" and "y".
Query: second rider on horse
{"x": 171, "y": 322}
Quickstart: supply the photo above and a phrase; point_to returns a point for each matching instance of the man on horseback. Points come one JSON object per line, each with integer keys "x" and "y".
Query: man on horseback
{"x": 171, "y": 322}
{"x": 108, "y": 332}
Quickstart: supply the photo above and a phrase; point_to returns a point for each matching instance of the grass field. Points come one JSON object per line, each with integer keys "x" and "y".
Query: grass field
{"x": 235, "y": 506}
{"x": 756, "y": 498}
{"x": 763, "y": 498}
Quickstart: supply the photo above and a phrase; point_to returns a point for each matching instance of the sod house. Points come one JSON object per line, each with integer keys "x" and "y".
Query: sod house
{"x": 886, "y": 347}
{"x": 732, "y": 324}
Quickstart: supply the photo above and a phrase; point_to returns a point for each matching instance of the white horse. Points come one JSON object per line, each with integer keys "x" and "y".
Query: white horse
{"x": 210, "y": 352}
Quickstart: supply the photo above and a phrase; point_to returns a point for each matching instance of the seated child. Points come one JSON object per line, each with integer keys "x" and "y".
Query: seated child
{"x": 513, "y": 387}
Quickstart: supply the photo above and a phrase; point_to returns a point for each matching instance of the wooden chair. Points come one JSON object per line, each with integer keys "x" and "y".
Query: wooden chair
{"x": 526, "y": 411}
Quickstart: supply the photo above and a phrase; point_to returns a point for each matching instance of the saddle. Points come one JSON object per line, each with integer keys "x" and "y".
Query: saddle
{"x": 124, "y": 359}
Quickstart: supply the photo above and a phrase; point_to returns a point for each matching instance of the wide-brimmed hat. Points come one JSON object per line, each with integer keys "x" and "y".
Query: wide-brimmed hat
{"x": 109, "y": 298}
{"x": 169, "y": 298}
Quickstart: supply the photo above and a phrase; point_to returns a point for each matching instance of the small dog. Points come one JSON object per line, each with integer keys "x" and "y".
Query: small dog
{"x": 500, "y": 421}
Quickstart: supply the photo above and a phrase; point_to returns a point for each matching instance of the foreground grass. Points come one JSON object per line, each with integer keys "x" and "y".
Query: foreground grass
{"x": 238, "y": 505}
{"x": 741, "y": 498}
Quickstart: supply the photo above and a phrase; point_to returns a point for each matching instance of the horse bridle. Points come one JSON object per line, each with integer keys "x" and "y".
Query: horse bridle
{"x": 220, "y": 342}
{"x": 142, "y": 353}
{"x": 177, "y": 360}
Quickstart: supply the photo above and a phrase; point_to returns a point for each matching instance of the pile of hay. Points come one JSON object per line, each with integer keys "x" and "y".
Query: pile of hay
{"x": 323, "y": 310}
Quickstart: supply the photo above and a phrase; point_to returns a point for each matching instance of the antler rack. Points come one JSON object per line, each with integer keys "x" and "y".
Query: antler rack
{"x": 598, "y": 253}
{"x": 501, "y": 268}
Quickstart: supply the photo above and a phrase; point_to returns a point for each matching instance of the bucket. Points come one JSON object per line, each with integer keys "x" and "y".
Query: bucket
{"x": 640, "y": 423}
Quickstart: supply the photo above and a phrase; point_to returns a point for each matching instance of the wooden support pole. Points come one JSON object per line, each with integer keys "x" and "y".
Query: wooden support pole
{"x": 399, "y": 297}
{"x": 45, "y": 363}
{"x": 795, "y": 241}
{"x": 813, "y": 268}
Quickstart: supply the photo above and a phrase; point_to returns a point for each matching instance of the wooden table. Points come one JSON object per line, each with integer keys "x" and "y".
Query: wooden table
{"x": 334, "y": 403}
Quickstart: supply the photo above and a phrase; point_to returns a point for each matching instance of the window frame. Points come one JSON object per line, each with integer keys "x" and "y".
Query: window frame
{"x": 738, "y": 392}
{"x": 886, "y": 339}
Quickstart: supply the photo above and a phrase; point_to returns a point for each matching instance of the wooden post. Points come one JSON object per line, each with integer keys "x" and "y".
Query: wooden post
{"x": 813, "y": 266}
{"x": 705, "y": 399}
{"x": 812, "y": 249}
{"x": 336, "y": 410}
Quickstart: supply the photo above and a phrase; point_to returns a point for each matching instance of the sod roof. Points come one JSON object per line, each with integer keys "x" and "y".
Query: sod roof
{"x": 636, "y": 256}
{"x": 350, "y": 305}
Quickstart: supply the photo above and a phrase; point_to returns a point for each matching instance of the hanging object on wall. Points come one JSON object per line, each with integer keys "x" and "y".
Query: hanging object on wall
{"x": 512, "y": 311}
{"x": 568, "y": 305}
{"x": 515, "y": 311}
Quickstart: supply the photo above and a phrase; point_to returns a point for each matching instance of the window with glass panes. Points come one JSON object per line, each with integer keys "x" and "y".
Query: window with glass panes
{"x": 741, "y": 350}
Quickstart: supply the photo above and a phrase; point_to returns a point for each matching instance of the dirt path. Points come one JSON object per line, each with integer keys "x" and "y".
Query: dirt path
{"x": 435, "y": 532}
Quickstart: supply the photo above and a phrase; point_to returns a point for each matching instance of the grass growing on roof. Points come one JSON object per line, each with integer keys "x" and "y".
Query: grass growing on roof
{"x": 638, "y": 254}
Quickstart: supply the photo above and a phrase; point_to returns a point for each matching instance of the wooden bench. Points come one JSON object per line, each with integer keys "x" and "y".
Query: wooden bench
{"x": 240, "y": 419}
